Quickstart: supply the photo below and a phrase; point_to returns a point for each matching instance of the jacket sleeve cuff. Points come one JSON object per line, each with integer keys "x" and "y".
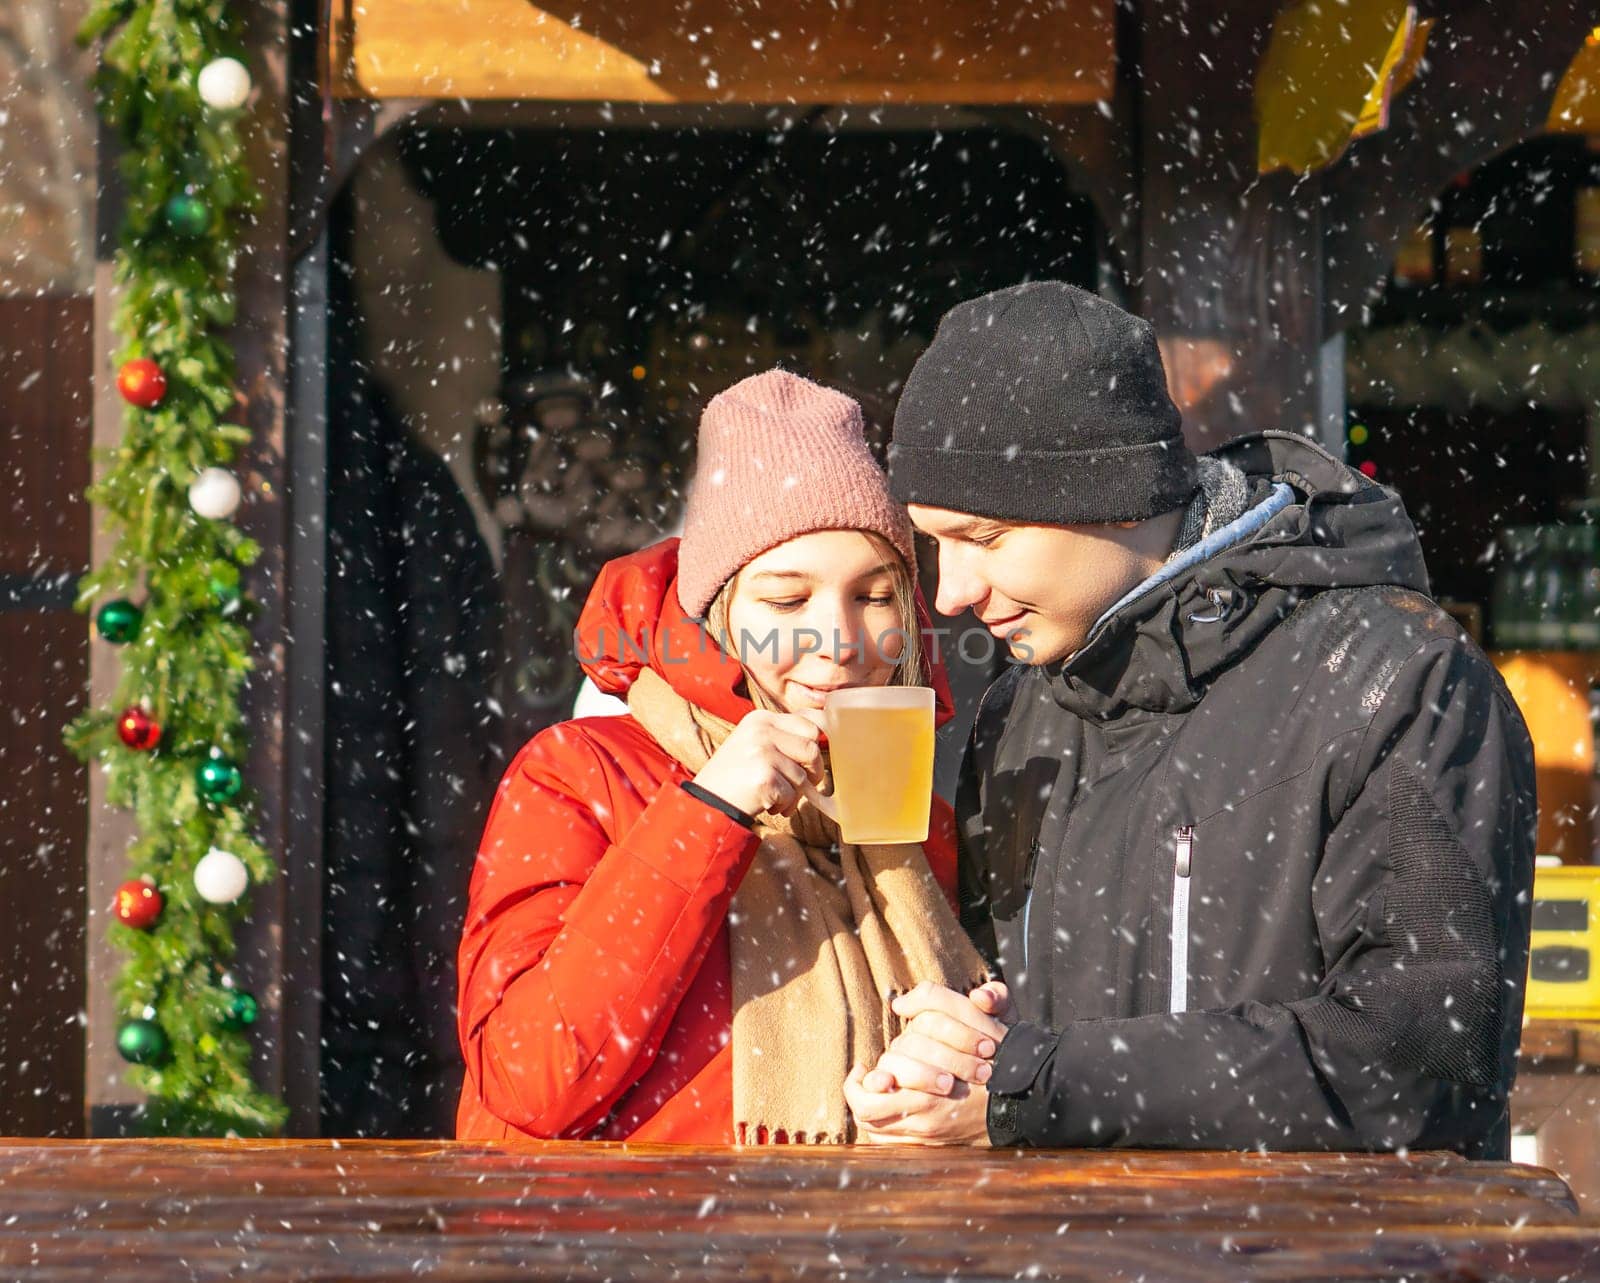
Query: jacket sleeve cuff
{"x": 1088, "y": 1084}
{"x": 1023, "y": 1052}
{"x": 712, "y": 800}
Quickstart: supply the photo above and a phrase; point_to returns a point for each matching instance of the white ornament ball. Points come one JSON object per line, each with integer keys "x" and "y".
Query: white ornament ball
{"x": 215, "y": 493}
{"x": 224, "y": 84}
{"x": 220, "y": 877}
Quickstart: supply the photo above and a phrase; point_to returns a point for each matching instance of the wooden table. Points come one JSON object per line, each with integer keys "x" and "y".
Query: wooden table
{"x": 131, "y": 1211}
{"x": 1557, "y": 1098}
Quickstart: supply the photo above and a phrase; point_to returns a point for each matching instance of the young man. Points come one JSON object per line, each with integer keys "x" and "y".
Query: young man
{"x": 1250, "y": 834}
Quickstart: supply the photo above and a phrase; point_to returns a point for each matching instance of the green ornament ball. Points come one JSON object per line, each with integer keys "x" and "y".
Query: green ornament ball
{"x": 118, "y": 621}
{"x": 142, "y": 1042}
{"x": 227, "y": 596}
{"x": 242, "y": 1011}
{"x": 218, "y": 780}
{"x": 188, "y": 215}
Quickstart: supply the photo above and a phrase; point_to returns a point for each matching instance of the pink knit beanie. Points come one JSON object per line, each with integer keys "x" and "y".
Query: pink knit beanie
{"x": 779, "y": 456}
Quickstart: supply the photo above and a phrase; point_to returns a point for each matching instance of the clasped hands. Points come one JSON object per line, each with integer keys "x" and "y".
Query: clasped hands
{"x": 930, "y": 1086}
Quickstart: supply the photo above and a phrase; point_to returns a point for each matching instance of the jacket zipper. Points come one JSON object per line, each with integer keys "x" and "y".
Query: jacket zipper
{"x": 1181, "y": 867}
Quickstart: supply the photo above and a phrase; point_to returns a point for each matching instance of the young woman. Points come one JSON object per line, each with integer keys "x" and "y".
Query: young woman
{"x": 665, "y": 941}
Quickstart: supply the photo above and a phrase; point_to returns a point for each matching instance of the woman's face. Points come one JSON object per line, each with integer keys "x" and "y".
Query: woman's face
{"x": 816, "y": 614}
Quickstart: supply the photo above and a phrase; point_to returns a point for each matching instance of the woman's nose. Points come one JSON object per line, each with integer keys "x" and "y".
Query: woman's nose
{"x": 843, "y": 633}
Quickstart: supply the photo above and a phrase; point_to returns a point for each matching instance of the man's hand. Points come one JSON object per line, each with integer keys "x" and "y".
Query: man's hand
{"x": 947, "y": 1039}
{"x": 905, "y": 1116}
{"x": 929, "y": 1088}
{"x": 994, "y": 999}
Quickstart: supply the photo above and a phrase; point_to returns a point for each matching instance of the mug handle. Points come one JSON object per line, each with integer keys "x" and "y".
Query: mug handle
{"x": 821, "y": 801}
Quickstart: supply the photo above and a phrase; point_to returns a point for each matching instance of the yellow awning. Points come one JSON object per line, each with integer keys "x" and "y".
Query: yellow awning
{"x": 1328, "y": 76}
{"x": 1576, "y": 108}
{"x": 875, "y": 51}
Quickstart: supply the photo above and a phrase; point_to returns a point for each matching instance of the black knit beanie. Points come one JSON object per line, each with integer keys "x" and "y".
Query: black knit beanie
{"x": 1041, "y": 403}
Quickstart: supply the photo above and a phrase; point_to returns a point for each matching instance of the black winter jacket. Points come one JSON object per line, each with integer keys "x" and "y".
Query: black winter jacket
{"x": 1257, "y": 859}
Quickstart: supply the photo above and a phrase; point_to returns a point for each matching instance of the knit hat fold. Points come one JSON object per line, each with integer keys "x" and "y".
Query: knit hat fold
{"x": 779, "y": 456}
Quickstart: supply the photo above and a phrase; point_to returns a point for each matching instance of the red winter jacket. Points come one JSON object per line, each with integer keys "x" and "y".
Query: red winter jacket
{"x": 594, "y": 970}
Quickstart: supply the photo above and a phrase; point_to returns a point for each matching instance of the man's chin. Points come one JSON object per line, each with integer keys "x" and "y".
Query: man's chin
{"x": 1037, "y": 651}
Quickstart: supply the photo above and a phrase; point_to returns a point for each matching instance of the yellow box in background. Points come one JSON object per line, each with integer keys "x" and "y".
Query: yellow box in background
{"x": 1564, "y": 955}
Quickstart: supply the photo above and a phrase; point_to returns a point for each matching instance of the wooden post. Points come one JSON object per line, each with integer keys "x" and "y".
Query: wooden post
{"x": 282, "y": 926}
{"x": 1231, "y": 263}
{"x": 108, "y": 1098}
{"x": 45, "y": 364}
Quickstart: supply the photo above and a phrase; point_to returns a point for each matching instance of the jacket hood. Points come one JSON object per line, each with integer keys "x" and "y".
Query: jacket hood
{"x": 633, "y": 620}
{"x": 1160, "y": 649}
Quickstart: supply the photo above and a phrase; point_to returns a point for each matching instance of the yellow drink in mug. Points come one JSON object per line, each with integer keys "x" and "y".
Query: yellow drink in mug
{"x": 880, "y": 740}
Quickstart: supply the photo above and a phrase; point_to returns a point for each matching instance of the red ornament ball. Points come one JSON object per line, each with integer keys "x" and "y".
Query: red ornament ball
{"x": 138, "y": 904}
{"x": 142, "y": 383}
{"x": 138, "y": 730}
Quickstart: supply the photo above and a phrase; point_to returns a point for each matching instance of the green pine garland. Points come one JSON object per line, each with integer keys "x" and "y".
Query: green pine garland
{"x": 191, "y": 654}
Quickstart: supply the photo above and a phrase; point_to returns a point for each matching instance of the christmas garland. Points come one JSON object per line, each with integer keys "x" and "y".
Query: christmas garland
{"x": 169, "y": 594}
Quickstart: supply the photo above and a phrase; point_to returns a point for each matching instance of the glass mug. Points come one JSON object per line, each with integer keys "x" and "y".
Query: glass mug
{"x": 880, "y": 740}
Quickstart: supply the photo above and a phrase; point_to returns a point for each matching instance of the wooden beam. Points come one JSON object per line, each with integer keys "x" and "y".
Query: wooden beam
{"x": 873, "y": 51}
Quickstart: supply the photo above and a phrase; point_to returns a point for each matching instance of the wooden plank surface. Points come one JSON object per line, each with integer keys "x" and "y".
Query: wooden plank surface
{"x": 871, "y": 51}
{"x": 311, "y": 1210}
{"x": 1571, "y": 1042}
{"x": 1557, "y": 1099}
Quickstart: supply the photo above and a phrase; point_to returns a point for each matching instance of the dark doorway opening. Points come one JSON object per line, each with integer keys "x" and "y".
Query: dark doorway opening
{"x": 639, "y": 271}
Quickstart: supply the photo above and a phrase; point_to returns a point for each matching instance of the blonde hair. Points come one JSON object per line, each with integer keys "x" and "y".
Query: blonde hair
{"x": 908, "y": 671}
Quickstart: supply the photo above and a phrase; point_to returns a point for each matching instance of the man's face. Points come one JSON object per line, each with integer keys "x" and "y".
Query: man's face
{"x": 1040, "y": 588}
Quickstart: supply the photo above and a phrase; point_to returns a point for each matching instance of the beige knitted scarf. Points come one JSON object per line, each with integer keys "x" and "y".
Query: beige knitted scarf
{"x": 823, "y": 935}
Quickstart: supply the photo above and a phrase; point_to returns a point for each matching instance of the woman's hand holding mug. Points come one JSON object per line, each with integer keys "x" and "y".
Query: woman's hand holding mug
{"x": 765, "y": 762}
